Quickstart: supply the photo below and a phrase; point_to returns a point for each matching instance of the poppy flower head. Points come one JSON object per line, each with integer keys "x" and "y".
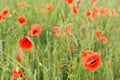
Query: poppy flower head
{"x": 1, "y": 16}
{"x": 93, "y": 1}
{"x": 67, "y": 30}
{"x": 104, "y": 11}
{"x": 21, "y": 4}
{"x": 56, "y": 31}
{"x": 94, "y": 15}
{"x": 85, "y": 53}
{"x": 113, "y": 12}
{"x": 99, "y": 34}
{"x": 69, "y": 1}
{"x": 5, "y": 11}
{"x": 91, "y": 60}
{"x": 95, "y": 9}
{"x": 75, "y": 9}
{"x": 88, "y": 12}
{"x": 25, "y": 43}
{"x": 22, "y": 19}
{"x": 19, "y": 56}
{"x": 104, "y": 39}
{"x": 16, "y": 73}
{"x": 35, "y": 30}
{"x": 110, "y": 63}
{"x": 49, "y": 7}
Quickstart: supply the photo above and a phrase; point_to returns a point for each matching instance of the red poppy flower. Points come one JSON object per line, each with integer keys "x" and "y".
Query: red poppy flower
{"x": 1, "y": 16}
{"x": 19, "y": 56}
{"x": 56, "y": 31}
{"x": 93, "y": 1}
{"x": 35, "y": 30}
{"x": 99, "y": 34}
{"x": 21, "y": 4}
{"x": 22, "y": 19}
{"x": 88, "y": 12}
{"x": 5, "y": 12}
{"x": 113, "y": 12}
{"x": 104, "y": 11}
{"x": 110, "y": 63}
{"x": 75, "y": 9}
{"x": 95, "y": 9}
{"x": 69, "y": 1}
{"x": 18, "y": 73}
{"x": 49, "y": 7}
{"x": 86, "y": 53}
{"x": 67, "y": 30}
{"x": 94, "y": 15}
{"x": 91, "y": 60}
{"x": 104, "y": 39}
{"x": 25, "y": 43}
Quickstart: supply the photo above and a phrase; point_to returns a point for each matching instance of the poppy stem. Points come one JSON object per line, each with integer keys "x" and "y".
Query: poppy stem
{"x": 63, "y": 16}
{"x": 93, "y": 76}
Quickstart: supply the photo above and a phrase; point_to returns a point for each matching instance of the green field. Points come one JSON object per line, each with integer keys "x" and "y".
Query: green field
{"x": 59, "y": 57}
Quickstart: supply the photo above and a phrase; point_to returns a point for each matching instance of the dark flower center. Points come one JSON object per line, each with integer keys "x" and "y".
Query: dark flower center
{"x": 94, "y": 61}
{"x": 26, "y": 40}
{"x": 34, "y": 32}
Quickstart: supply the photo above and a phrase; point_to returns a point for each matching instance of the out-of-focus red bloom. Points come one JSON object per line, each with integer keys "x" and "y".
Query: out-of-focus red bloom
{"x": 1, "y": 16}
{"x": 85, "y": 53}
{"x": 56, "y": 31}
{"x": 5, "y": 11}
{"x": 113, "y": 12}
{"x": 101, "y": 37}
{"x": 91, "y": 60}
{"x": 21, "y": 4}
{"x": 93, "y": 1}
{"x": 75, "y": 9}
{"x": 94, "y": 15}
{"x": 49, "y": 7}
{"x": 19, "y": 56}
{"x": 22, "y": 19}
{"x": 18, "y": 73}
{"x": 99, "y": 34}
{"x": 95, "y": 9}
{"x": 104, "y": 11}
{"x": 104, "y": 39}
{"x": 110, "y": 63}
{"x": 69, "y": 1}
{"x": 67, "y": 30}
{"x": 88, "y": 12}
{"x": 25, "y": 43}
{"x": 35, "y": 30}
